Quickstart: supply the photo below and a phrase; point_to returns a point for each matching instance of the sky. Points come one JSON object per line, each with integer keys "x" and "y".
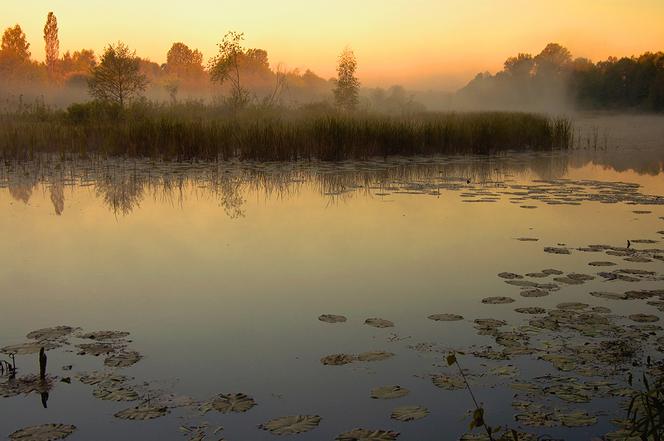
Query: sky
{"x": 422, "y": 44}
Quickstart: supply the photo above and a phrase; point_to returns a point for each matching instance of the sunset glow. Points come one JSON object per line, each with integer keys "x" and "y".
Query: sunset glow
{"x": 418, "y": 43}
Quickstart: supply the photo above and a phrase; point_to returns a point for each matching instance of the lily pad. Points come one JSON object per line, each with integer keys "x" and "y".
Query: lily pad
{"x": 389, "y": 392}
{"x": 123, "y": 359}
{"x": 368, "y": 435}
{"x": 291, "y": 425}
{"x": 497, "y": 300}
{"x": 104, "y": 335}
{"x": 531, "y": 310}
{"x": 43, "y": 432}
{"x": 577, "y": 419}
{"x": 602, "y": 263}
{"x": 378, "y": 323}
{"x": 556, "y": 250}
{"x": 510, "y": 276}
{"x": 374, "y": 356}
{"x": 448, "y": 382}
{"x": 29, "y": 348}
{"x": 54, "y": 333}
{"x": 140, "y": 413}
{"x": 227, "y": 403}
{"x": 644, "y": 318}
{"x": 337, "y": 359}
{"x": 332, "y": 318}
{"x": 445, "y": 317}
{"x": 537, "y": 292}
{"x": 409, "y": 413}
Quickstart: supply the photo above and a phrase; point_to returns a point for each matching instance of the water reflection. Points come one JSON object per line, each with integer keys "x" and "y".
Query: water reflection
{"x": 123, "y": 184}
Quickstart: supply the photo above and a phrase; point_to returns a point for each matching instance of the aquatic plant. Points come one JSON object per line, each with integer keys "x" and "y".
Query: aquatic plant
{"x": 646, "y": 411}
{"x": 196, "y": 131}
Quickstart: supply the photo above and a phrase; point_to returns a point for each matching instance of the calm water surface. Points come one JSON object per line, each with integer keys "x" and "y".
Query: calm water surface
{"x": 220, "y": 273}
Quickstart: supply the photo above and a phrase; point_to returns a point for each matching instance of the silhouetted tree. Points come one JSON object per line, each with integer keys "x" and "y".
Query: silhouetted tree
{"x": 52, "y": 43}
{"x": 346, "y": 93}
{"x": 225, "y": 66}
{"x": 117, "y": 78}
{"x": 15, "y": 44}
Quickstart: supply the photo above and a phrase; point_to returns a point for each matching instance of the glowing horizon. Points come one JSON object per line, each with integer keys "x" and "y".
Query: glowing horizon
{"x": 423, "y": 44}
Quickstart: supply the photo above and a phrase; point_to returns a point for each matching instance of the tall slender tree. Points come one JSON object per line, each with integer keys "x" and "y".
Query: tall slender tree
{"x": 52, "y": 43}
{"x": 346, "y": 93}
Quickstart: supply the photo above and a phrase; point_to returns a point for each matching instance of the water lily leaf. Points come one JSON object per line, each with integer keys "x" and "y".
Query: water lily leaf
{"x": 608, "y": 295}
{"x": 389, "y": 392}
{"x": 510, "y": 276}
{"x": 379, "y": 323}
{"x": 445, "y": 317}
{"x": 291, "y": 425}
{"x": 498, "y": 300}
{"x": 54, "y": 333}
{"x": 145, "y": 412}
{"x": 576, "y": 419}
{"x": 448, "y": 382}
{"x": 531, "y": 310}
{"x": 29, "y": 348}
{"x": 573, "y": 306}
{"x": 409, "y": 413}
{"x": 368, "y": 435}
{"x": 226, "y": 403}
{"x": 115, "y": 392}
{"x": 644, "y": 318}
{"x": 556, "y": 250}
{"x": 332, "y": 318}
{"x": 104, "y": 335}
{"x": 98, "y": 349}
{"x": 337, "y": 359}
{"x": 123, "y": 359}
{"x": 43, "y": 432}
{"x": 537, "y": 292}
{"x": 374, "y": 356}
{"x": 601, "y": 263}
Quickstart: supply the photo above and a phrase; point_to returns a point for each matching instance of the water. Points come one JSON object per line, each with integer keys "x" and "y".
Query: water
{"x": 220, "y": 272}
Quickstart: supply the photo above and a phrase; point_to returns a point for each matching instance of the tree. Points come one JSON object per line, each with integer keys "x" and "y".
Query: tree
{"x": 225, "y": 66}
{"x": 52, "y": 43}
{"x": 117, "y": 78}
{"x": 15, "y": 44}
{"x": 346, "y": 93}
{"x": 182, "y": 61}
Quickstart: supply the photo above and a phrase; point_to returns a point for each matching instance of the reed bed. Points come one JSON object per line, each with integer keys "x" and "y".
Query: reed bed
{"x": 197, "y": 131}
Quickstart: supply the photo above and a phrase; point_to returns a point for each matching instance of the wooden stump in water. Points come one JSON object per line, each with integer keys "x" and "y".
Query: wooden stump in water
{"x": 42, "y": 364}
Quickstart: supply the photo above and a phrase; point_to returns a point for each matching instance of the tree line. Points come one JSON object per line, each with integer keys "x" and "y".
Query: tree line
{"x": 554, "y": 76}
{"x": 241, "y": 75}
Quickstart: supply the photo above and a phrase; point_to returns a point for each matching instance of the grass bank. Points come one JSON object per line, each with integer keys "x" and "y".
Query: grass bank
{"x": 196, "y": 131}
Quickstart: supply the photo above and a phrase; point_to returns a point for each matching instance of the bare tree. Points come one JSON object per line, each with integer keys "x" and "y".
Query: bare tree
{"x": 117, "y": 78}
{"x": 52, "y": 43}
{"x": 346, "y": 93}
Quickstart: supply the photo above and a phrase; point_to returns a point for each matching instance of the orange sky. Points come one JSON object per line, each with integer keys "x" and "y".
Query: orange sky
{"x": 419, "y": 43}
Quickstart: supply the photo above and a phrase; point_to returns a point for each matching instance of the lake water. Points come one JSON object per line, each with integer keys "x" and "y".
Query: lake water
{"x": 220, "y": 272}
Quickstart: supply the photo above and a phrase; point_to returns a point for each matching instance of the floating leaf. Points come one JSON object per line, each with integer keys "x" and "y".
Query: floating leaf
{"x": 497, "y": 300}
{"x": 291, "y": 425}
{"x": 445, "y": 317}
{"x": 389, "y": 392}
{"x": 332, "y": 318}
{"x": 368, "y": 435}
{"x": 123, "y": 359}
{"x": 238, "y": 402}
{"x": 379, "y": 323}
{"x": 374, "y": 356}
{"x": 337, "y": 359}
{"x": 644, "y": 318}
{"x": 43, "y": 432}
{"x": 409, "y": 413}
{"x": 145, "y": 412}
